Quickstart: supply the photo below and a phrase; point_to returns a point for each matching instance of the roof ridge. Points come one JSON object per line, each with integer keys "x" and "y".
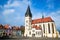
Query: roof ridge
{"x": 41, "y": 20}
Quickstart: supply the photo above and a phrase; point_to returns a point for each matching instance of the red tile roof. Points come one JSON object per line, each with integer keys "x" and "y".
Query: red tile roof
{"x": 1, "y": 26}
{"x": 36, "y": 27}
{"x": 16, "y": 28}
{"x": 6, "y": 26}
{"x": 47, "y": 19}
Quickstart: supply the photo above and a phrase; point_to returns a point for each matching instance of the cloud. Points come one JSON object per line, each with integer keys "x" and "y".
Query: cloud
{"x": 17, "y": 3}
{"x": 8, "y": 11}
{"x": 14, "y": 11}
{"x": 58, "y": 11}
{"x": 38, "y": 15}
{"x": 50, "y": 4}
{"x": 14, "y": 4}
{"x": 56, "y": 17}
{"x": 1, "y": 6}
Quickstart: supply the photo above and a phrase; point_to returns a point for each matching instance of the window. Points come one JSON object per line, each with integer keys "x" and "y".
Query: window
{"x": 49, "y": 27}
{"x": 52, "y": 28}
{"x": 29, "y": 33}
{"x": 36, "y": 33}
{"x": 33, "y": 30}
{"x": 44, "y": 28}
{"x": 40, "y": 27}
{"x": 29, "y": 20}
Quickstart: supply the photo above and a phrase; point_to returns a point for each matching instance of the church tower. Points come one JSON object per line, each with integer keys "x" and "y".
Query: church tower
{"x": 28, "y": 20}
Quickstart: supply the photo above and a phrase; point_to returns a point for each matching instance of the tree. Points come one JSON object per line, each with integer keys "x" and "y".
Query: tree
{"x": 22, "y": 28}
{"x": 1, "y": 26}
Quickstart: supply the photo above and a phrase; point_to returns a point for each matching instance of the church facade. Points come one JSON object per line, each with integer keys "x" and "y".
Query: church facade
{"x": 42, "y": 27}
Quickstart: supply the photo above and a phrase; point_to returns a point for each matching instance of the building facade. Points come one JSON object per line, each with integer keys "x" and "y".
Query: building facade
{"x": 42, "y": 27}
{"x": 14, "y": 31}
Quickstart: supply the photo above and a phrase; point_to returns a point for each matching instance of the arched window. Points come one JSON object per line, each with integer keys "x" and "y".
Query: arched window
{"x": 30, "y": 33}
{"x": 52, "y": 28}
{"x": 49, "y": 27}
{"x": 40, "y": 27}
{"x": 44, "y": 28}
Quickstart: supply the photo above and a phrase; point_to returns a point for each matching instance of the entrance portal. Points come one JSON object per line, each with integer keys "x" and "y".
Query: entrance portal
{"x": 33, "y": 35}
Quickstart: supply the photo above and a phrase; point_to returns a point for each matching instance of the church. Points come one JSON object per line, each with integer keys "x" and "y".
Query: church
{"x": 42, "y": 27}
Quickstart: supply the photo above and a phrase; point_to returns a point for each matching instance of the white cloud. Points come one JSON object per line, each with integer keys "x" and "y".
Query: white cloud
{"x": 22, "y": 5}
{"x": 38, "y": 15}
{"x": 56, "y": 17}
{"x": 15, "y": 7}
{"x": 14, "y": 4}
{"x": 17, "y": 3}
{"x": 1, "y": 6}
{"x": 58, "y": 11}
{"x": 8, "y": 11}
{"x": 50, "y": 4}
{"x": 18, "y": 18}
{"x": 27, "y": 2}
{"x": 9, "y": 2}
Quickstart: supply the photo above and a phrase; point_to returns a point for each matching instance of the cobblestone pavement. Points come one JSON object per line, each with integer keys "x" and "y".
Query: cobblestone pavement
{"x": 32, "y": 39}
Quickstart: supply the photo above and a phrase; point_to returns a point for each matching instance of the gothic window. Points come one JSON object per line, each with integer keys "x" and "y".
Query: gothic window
{"x": 36, "y": 33}
{"x": 44, "y": 28}
{"x": 52, "y": 28}
{"x": 30, "y": 33}
{"x": 40, "y": 26}
{"x": 49, "y": 27}
{"x": 33, "y": 30}
{"x": 29, "y": 20}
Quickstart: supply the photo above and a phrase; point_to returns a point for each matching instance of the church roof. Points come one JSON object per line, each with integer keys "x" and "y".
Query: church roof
{"x": 28, "y": 12}
{"x": 15, "y": 28}
{"x": 41, "y": 20}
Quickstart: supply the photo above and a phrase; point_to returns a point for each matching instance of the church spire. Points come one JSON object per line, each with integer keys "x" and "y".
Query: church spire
{"x": 28, "y": 12}
{"x": 42, "y": 15}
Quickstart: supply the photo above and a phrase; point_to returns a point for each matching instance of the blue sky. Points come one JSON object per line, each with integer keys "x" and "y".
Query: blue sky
{"x": 13, "y": 11}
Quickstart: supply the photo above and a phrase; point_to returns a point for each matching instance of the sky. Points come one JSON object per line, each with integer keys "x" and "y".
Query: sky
{"x": 12, "y": 12}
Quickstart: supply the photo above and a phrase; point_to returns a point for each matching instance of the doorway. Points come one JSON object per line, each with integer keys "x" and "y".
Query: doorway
{"x": 33, "y": 35}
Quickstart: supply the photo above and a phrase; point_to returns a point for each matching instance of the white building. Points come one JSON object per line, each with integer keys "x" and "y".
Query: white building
{"x": 42, "y": 27}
